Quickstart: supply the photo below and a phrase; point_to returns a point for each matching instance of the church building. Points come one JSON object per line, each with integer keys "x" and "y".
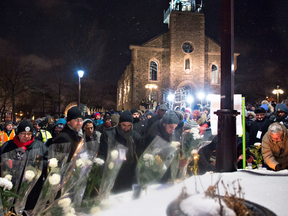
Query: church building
{"x": 181, "y": 62}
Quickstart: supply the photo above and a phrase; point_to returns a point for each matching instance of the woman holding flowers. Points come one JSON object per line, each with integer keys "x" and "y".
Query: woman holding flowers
{"x": 24, "y": 139}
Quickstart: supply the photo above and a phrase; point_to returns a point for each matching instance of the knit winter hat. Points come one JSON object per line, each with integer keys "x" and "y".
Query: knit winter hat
{"x": 24, "y": 126}
{"x": 88, "y": 121}
{"x": 73, "y": 113}
{"x": 134, "y": 110}
{"x": 114, "y": 119}
{"x": 126, "y": 116}
{"x": 148, "y": 113}
{"x": 61, "y": 121}
{"x": 170, "y": 117}
{"x": 97, "y": 113}
{"x": 260, "y": 110}
{"x": 56, "y": 116}
{"x": 281, "y": 107}
{"x": 163, "y": 107}
{"x": 7, "y": 123}
{"x": 188, "y": 110}
{"x": 265, "y": 106}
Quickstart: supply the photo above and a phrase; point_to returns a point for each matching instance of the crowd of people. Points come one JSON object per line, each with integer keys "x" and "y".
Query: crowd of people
{"x": 136, "y": 129}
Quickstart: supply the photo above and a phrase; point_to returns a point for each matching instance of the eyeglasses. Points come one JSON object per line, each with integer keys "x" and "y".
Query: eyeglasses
{"x": 78, "y": 120}
{"x": 25, "y": 134}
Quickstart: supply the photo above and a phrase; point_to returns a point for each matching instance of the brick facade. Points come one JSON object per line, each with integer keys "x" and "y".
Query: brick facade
{"x": 166, "y": 50}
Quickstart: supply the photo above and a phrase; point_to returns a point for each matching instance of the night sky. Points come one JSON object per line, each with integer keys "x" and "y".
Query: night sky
{"x": 44, "y": 31}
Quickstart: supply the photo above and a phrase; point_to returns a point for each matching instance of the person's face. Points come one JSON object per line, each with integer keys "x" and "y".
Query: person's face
{"x": 97, "y": 117}
{"x": 260, "y": 116}
{"x": 205, "y": 111}
{"x": 9, "y": 127}
{"x": 280, "y": 113}
{"x": 89, "y": 129}
{"x": 276, "y": 137}
{"x": 149, "y": 116}
{"x": 161, "y": 112}
{"x": 135, "y": 115}
{"x": 126, "y": 126}
{"x": 24, "y": 136}
{"x": 37, "y": 127}
{"x": 56, "y": 119}
{"x": 170, "y": 128}
{"x": 76, "y": 124}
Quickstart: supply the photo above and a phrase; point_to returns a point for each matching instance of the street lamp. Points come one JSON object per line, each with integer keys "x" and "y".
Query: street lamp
{"x": 201, "y": 96}
{"x": 277, "y": 92}
{"x": 190, "y": 100}
{"x": 151, "y": 87}
{"x": 80, "y": 75}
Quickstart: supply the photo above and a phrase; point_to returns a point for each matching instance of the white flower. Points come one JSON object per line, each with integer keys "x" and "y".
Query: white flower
{"x": 114, "y": 154}
{"x": 29, "y": 175}
{"x": 95, "y": 210}
{"x": 69, "y": 209}
{"x": 53, "y": 162}
{"x": 111, "y": 165}
{"x": 98, "y": 161}
{"x": 147, "y": 164}
{"x": 164, "y": 167}
{"x": 64, "y": 202}
{"x": 6, "y": 184}
{"x": 54, "y": 179}
{"x": 194, "y": 151}
{"x": 196, "y": 136}
{"x": 257, "y": 144}
{"x": 88, "y": 162}
{"x": 194, "y": 130}
{"x": 79, "y": 162}
{"x": 149, "y": 157}
{"x": 70, "y": 214}
{"x": 175, "y": 144}
{"x": 9, "y": 177}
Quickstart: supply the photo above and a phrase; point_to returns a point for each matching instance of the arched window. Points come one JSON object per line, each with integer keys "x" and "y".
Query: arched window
{"x": 153, "y": 70}
{"x": 187, "y": 64}
{"x": 215, "y": 75}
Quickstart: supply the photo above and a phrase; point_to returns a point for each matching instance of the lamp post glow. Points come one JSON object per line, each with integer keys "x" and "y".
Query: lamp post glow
{"x": 151, "y": 87}
{"x": 277, "y": 92}
{"x": 80, "y": 75}
{"x": 201, "y": 96}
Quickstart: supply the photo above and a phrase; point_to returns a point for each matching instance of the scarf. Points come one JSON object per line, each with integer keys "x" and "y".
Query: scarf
{"x": 21, "y": 144}
{"x": 127, "y": 135}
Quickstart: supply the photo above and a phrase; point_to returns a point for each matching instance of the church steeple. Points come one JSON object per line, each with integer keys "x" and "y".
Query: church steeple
{"x": 183, "y": 5}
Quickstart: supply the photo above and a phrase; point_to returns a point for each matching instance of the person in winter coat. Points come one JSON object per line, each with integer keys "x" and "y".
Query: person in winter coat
{"x": 282, "y": 114}
{"x": 138, "y": 125}
{"x": 89, "y": 129}
{"x": 164, "y": 128}
{"x": 259, "y": 127}
{"x": 98, "y": 119}
{"x": 8, "y": 133}
{"x": 251, "y": 116}
{"x": 125, "y": 135}
{"x": 105, "y": 126}
{"x": 43, "y": 134}
{"x": 275, "y": 147}
{"x": 24, "y": 139}
{"x": 72, "y": 132}
{"x": 59, "y": 125}
{"x": 160, "y": 113}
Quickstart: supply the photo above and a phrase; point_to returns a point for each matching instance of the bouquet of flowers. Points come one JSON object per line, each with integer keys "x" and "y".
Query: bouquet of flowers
{"x": 57, "y": 156}
{"x": 32, "y": 172}
{"x": 190, "y": 142}
{"x": 154, "y": 162}
{"x": 175, "y": 162}
{"x": 256, "y": 151}
{"x": 6, "y": 194}
{"x": 12, "y": 162}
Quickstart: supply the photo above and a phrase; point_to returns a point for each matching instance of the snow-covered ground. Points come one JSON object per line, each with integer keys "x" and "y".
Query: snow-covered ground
{"x": 269, "y": 191}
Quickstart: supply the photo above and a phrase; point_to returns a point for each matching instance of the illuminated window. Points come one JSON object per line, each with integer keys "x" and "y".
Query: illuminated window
{"x": 215, "y": 75}
{"x": 187, "y": 64}
{"x": 153, "y": 70}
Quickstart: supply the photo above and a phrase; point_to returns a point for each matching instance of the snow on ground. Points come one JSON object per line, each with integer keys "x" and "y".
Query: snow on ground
{"x": 269, "y": 191}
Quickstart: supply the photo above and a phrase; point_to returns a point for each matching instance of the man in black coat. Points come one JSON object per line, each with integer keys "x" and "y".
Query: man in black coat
{"x": 72, "y": 132}
{"x": 24, "y": 139}
{"x": 125, "y": 135}
{"x": 160, "y": 113}
{"x": 138, "y": 125}
{"x": 259, "y": 127}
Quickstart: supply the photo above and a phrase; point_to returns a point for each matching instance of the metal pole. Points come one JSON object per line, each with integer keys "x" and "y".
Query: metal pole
{"x": 79, "y": 90}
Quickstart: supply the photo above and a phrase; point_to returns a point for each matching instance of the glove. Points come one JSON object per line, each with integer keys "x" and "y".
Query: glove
{"x": 278, "y": 167}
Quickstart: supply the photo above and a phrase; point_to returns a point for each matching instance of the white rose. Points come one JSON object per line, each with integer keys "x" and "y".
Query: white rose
{"x": 99, "y": 161}
{"x": 9, "y": 177}
{"x": 111, "y": 165}
{"x": 194, "y": 130}
{"x": 79, "y": 163}
{"x": 257, "y": 144}
{"x": 147, "y": 164}
{"x": 196, "y": 136}
{"x": 95, "y": 210}
{"x": 64, "y": 202}
{"x": 69, "y": 209}
{"x": 164, "y": 167}
{"x": 53, "y": 162}
{"x": 70, "y": 214}
{"x": 175, "y": 144}
{"x": 114, "y": 154}
{"x": 194, "y": 151}
{"x": 29, "y": 175}
{"x": 6, "y": 184}
{"x": 54, "y": 179}
{"x": 88, "y": 162}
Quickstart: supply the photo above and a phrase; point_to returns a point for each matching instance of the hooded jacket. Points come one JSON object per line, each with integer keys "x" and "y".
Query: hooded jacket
{"x": 275, "y": 153}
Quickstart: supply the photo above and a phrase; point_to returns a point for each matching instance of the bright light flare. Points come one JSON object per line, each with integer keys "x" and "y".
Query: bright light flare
{"x": 80, "y": 73}
{"x": 171, "y": 97}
